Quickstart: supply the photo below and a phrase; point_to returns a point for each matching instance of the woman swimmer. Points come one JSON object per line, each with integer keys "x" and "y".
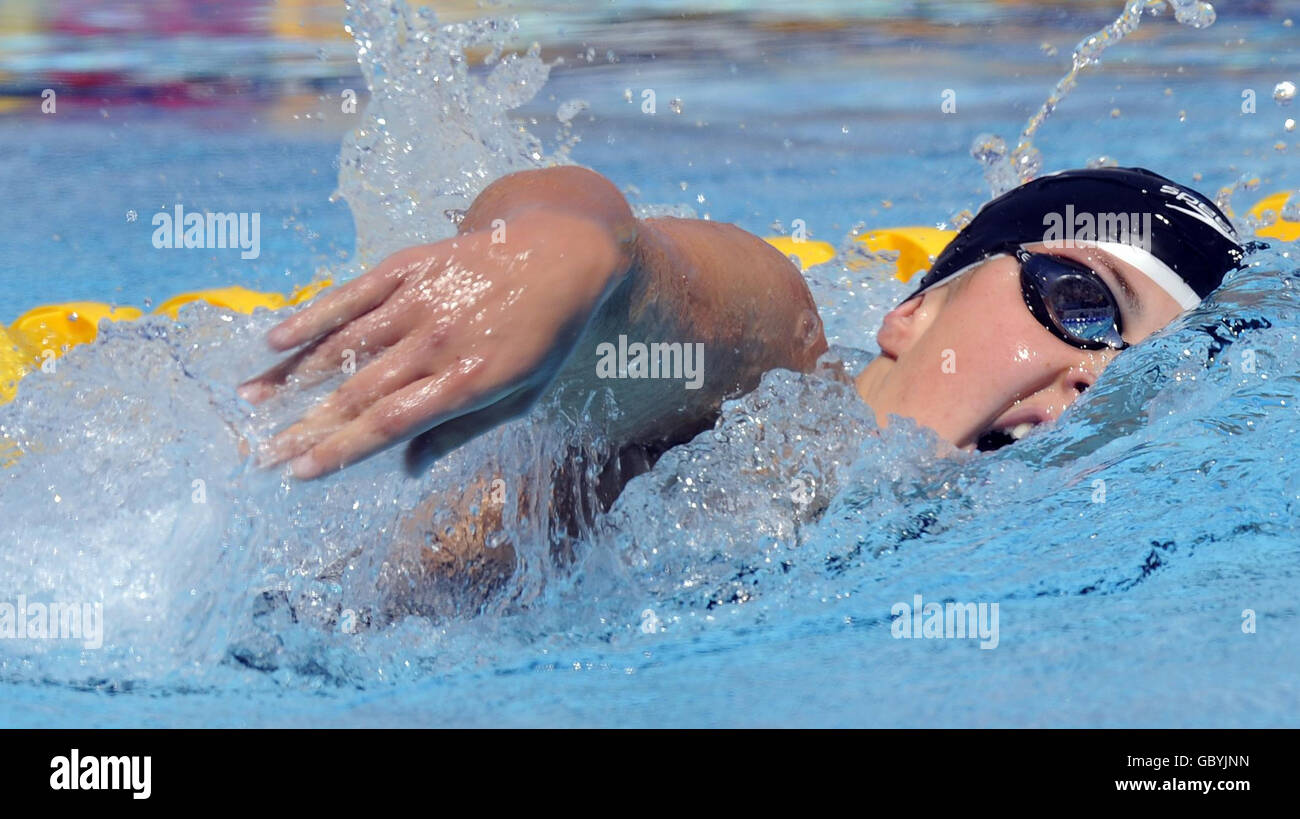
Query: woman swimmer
{"x": 549, "y": 265}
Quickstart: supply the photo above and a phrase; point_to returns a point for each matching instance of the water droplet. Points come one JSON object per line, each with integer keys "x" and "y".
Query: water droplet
{"x": 1289, "y": 125}
{"x": 1284, "y": 92}
{"x": 960, "y": 219}
{"x": 676, "y": 105}
{"x": 1193, "y": 13}
{"x": 988, "y": 148}
{"x": 570, "y": 109}
{"x": 1291, "y": 210}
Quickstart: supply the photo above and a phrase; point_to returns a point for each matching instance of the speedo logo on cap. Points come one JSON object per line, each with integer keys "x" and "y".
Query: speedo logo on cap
{"x": 1202, "y": 211}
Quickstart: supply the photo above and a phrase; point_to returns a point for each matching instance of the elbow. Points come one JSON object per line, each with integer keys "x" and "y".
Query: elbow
{"x": 568, "y": 189}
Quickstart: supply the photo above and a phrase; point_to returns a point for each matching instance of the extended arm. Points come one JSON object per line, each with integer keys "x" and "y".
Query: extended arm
{"x": 548, "y": 265}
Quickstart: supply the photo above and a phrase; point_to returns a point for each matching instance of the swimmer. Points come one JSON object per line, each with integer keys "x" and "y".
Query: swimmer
{"x": 548, "y": 265}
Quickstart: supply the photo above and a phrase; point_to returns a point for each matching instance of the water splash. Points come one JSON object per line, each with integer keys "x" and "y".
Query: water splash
{"x": 133, "y": 491}
{"x": 434, "y": 132}
{"x": 1004, "y": 171}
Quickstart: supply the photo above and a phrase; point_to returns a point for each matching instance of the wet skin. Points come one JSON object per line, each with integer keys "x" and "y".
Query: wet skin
{"x": 1004, "y": 368}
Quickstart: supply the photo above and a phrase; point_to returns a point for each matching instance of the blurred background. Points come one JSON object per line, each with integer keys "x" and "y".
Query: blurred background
{"x": 189, "y": 51}
{"x": 822, "y": 110}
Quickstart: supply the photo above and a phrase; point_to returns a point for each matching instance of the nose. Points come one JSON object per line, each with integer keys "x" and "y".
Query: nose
{"x": 1078, "y": 377}
{"x": 1079, "y": 380}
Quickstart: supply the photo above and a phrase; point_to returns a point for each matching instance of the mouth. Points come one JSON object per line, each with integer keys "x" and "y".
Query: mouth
{"x": 1008, "y": 429}
{"x": 995, "y": 439}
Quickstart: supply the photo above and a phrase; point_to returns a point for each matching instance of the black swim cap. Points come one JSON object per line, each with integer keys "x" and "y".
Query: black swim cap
{"x": 1180, "y": 240}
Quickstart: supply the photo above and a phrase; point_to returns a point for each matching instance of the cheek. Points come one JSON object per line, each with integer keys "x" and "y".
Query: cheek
{"x": 988, "y": 370}
{"x": 988, "y": 351}
{"x": 991, "y": 334}
{"x": 967, "y": 365}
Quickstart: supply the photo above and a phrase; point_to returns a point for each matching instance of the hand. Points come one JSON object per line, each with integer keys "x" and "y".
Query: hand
{"x": 459, "y": 336}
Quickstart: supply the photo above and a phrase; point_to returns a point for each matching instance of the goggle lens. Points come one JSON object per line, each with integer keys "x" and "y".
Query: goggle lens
{"x": 1076, "y": 300}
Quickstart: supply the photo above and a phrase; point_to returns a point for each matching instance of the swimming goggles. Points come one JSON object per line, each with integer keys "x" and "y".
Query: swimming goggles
{"x": 1070, "y": 300}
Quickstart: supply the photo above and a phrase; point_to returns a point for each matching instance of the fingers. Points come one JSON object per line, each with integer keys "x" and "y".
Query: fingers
{"x": 259, "y": 388}
{"x": 374, "y": 332}
{"x": 393, "y": 418}
{"x": 334, "y": 309}
{"x": 404, "y": 363}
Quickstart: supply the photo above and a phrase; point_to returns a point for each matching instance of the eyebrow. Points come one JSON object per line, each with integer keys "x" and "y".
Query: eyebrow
{"x": 1130, "y": 295}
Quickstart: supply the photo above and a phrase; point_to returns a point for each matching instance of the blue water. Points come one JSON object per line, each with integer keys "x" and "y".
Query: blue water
{"x": 767, "y": 606}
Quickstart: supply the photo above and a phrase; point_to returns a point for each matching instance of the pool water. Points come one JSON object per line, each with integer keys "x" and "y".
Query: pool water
{"x": 1142, "y": 553}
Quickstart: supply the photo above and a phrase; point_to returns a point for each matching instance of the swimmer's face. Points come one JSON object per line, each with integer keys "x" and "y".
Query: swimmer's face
{"x": 968, "y": 358}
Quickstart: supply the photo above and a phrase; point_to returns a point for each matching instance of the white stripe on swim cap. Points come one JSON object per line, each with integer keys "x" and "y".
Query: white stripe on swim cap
{"x": 1154, "y": 269}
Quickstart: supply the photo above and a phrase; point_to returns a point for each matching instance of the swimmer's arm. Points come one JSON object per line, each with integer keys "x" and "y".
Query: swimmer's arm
{"x": 689, "y": 282}
{"x": 464, "y": 333}
{"x": 703, "y": 283}
{"x": 547, "y": 266}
